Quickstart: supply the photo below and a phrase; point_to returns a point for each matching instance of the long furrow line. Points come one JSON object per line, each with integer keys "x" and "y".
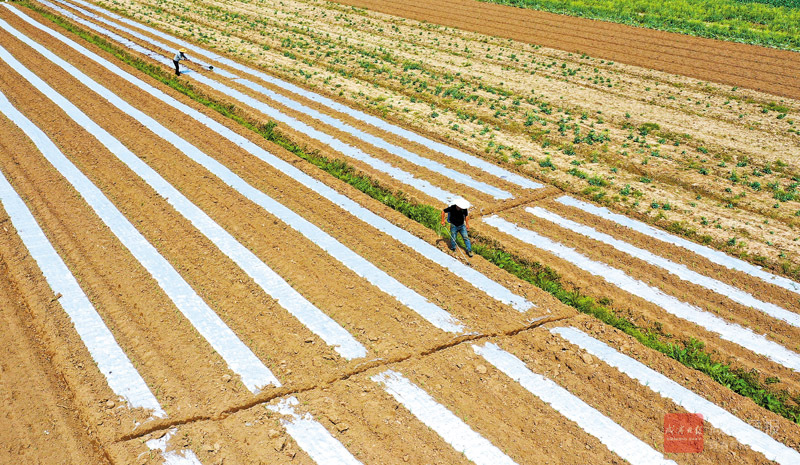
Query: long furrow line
{"x": 241, "y": 360}
{"x": 735, "y": 333}
{"x": 359, "y": 115}
{"x": 310, "y": 131}
{"x": 430, "y": 252}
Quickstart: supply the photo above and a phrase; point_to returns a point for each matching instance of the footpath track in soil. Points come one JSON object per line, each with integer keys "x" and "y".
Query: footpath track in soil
{"x": 759, "y": 68}
{"x": 509, "y": 389}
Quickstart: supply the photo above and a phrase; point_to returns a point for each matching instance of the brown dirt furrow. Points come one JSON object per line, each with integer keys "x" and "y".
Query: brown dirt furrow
{"x": 40, "y": 418}
{"x": 692, "y": 65}
{"x": 676, "y": 44}
{"x": 444, "y": 13}
{"x": 642, "y": 312}
{"x": 493, "y": 12}
{"x": 657, "y": 56}
{"x": 757, "y": 287}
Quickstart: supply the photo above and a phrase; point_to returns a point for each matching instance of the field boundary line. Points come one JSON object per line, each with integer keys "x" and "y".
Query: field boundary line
{"x": 290, "y": 390}
{"x": 717, "y": 416}
{"x": 537, "y": 196}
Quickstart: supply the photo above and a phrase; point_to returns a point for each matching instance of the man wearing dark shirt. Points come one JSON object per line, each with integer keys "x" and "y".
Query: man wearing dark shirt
{"x": 457, "y": 215}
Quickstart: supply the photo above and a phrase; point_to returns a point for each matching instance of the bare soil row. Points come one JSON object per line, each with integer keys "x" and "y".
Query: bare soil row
{"x": 222, "y": 421}
{"x": 669, "y": 52}
{"x": 648, "y": 315}
{"x": 702, "y": 123}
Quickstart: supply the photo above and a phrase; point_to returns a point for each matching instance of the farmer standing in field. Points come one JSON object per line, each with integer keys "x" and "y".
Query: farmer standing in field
{"x": 457, "y": 215}
{"x": 181, "y": 55}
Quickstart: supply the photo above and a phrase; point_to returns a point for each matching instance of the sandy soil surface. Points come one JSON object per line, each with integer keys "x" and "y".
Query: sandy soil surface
{"x": 42, "y": 421}
{"x": 709, "y": 160}
{"x": 730, "y": 63}
{"x": 49, "y": 377}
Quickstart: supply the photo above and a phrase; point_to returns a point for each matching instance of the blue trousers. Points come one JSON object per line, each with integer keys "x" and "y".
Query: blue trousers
{"x": 454, "y": 231}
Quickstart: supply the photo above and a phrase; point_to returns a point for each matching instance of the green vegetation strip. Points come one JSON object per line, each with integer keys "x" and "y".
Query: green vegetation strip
{"x": 774, "y": 23}
{"x": 690, "y": 353}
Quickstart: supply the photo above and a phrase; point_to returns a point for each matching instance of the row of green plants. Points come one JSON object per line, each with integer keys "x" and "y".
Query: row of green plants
{"x": 774, "y": 23}
{"x": 470, "y": 102}
{"x": 690, "y": 353}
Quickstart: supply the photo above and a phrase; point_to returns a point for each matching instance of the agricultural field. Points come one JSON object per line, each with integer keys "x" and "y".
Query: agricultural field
{"x": 773, "y": 23}
{"x": 244, "y": 263}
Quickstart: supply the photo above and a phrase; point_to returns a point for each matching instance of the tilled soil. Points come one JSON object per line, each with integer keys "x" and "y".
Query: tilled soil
{"x": 210, "y": 412}
{"x": 42, "y": 421}
{"x": 647, "y": 314}
{"x": 731, "y": 63}
{"x": 714, "y": 159}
